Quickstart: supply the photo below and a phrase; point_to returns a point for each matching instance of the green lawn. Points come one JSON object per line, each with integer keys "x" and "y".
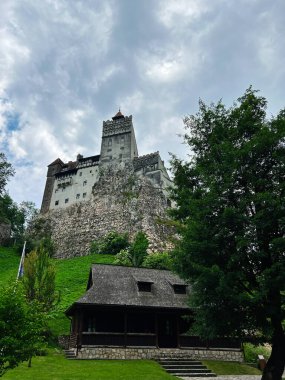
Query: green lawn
{"x": 56, "y": 367}
{"x": 230, "y": 368}
{"x": 71, "y": 280}
{"x": 9, "y": 264}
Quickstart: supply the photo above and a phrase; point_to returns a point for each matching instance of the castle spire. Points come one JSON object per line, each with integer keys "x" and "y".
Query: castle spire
{"x": 118, "y": 115}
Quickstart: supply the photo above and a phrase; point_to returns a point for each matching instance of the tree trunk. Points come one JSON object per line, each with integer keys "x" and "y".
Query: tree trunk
{"x": 275, "y": 366}
{"x": 30, "y": 362}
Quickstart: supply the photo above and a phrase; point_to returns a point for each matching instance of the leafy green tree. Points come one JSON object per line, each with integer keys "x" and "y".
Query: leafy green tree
{"x": 135, "y": 254}
{"x": 138, "y": 250}
{"x": 6, "y": 171}
{"x": 123, "y": 258}
{"x": 111, "y": 244}
{"x": 158, "y": 260}
{"x": 11, "y": 213}
{"x": 230, "y": 200}
{"x": 39, "y": 279}
{"x": 21, "y": 328}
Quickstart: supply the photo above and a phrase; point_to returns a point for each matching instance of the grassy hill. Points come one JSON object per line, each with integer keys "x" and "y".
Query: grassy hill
{"x": 71, "y": 280}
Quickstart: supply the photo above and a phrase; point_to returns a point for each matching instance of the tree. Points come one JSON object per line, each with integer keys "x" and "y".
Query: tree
{"x": 230, "y": 200}
{"x": 6, "y": 171}
{"x": 21, "y": 328}
{"x": 11, "y": 213}
{"x": 110, "y": 244}
{"x": 39, "y": 279}
{"x": 135, "y": 254}
{"x": 138, "y": 250}
{"x": 158, "y": 260}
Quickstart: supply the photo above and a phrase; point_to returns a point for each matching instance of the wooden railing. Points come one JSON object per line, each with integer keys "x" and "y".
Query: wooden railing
{"x": 118, "y": 339}
{"x": 73, "y": 341}
{"x": 195, "y": 341}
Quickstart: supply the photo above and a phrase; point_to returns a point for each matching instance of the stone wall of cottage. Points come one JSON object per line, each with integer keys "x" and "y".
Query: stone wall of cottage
{"x": 121, "y": 201}
{"x": 159, "y": 353}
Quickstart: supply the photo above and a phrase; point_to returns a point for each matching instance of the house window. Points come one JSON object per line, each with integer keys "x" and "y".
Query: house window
{"x": 66, "y": 200}
{"x": 56, "y": 203}
{"x": 144, "y": 286}
{"x": 84, "y": 183}
{"x": 77, "y": 196}
{"x": 84, "y": 195}
{"x": 179, "y": 289}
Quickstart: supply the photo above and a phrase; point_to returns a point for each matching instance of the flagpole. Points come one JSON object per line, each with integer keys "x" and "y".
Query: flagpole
{"x": 20, "y": 270}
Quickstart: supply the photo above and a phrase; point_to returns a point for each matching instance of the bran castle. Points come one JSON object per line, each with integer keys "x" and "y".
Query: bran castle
{"x": 117, "y": 190}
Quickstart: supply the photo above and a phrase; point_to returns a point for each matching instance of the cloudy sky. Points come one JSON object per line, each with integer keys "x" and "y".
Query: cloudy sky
{"x": 67, "y": 65}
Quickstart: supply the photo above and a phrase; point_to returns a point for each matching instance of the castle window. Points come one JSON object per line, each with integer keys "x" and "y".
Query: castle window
{"x": 109, "y": 142}
{"x": 80, "y": 174}
{"x": 66, "y": 200}
{"x": 85, "y": 183}
{"x": 56, "y": 203}
{"x": 77, "y": 196}
{"x": 90, "y": 171}
{"x": 84, "y": 195}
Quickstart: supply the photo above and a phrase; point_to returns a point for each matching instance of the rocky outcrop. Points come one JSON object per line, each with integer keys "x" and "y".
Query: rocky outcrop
{"x": 120, "y": 202}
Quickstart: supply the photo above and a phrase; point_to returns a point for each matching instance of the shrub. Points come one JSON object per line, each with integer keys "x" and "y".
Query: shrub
{"x": 111, "y": 244}
{"x": 158, "y": 260}
{"x": 123, "y": 258}
{"x": 138, "y": 250}
{"x": 251, "y": 352}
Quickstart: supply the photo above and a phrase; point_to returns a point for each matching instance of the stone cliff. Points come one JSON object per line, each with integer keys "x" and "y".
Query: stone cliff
{"x": 122, "y": 202}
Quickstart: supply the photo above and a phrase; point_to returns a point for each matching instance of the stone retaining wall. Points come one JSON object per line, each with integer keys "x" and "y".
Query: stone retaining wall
{"x": 159, "y": 353}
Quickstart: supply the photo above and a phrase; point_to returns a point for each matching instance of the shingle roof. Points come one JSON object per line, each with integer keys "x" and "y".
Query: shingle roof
{"x": 117, "y": 286}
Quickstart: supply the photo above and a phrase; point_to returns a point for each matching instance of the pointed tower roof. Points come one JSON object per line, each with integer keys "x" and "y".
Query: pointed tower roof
{"x": 118, "y": 115}
{"x": 57, "y": 161}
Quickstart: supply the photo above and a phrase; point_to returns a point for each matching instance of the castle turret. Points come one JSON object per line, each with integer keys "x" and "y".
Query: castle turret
{"x": 118, "y": 139}
{"x": 53, "y": 168}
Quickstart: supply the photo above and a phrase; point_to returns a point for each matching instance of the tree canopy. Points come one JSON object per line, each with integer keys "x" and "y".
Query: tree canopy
{"x": 6, "y": 171}
{"x": 230, "y": 199}
{"x": 21, "y": 328}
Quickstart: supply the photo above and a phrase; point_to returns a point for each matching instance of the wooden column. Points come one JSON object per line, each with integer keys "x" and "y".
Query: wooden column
{"x": 156, "y": 330}
{"x": 178, "y": 330}
{"x": 125, "y": 327}
{"x": 80, "y": 316}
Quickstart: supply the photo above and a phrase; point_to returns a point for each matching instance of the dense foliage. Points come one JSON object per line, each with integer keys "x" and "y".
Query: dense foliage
{"x": 158, "y": 260}
{"x": 111, "y": 243}
{"x": 230, "y": 200}
{"x": 6, "y": 171}
{"x": 21, "y": 328}
{"x": 39, "y": 279}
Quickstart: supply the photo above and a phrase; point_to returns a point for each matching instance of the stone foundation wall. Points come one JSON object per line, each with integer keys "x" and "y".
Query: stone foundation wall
{"x": 120, "y": 202}
{"x": 159, "y": 353}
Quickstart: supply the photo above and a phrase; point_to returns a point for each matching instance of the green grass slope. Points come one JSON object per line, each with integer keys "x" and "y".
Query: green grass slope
{"x": 9, "y": 264}
{"x": 71, "y": 280}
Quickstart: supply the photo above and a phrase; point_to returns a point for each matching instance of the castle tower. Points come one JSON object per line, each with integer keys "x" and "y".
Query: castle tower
{"x": 53, "y": 168}
{"x": 118, "y": 140}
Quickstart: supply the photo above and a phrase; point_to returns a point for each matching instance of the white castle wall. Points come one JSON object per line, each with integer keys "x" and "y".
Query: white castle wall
{"x": 74, "y": 188}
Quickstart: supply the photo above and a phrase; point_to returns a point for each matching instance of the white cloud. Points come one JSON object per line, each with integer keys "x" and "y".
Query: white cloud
{"x": 65, "y": 66}
{"x": 177, "y": 14}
